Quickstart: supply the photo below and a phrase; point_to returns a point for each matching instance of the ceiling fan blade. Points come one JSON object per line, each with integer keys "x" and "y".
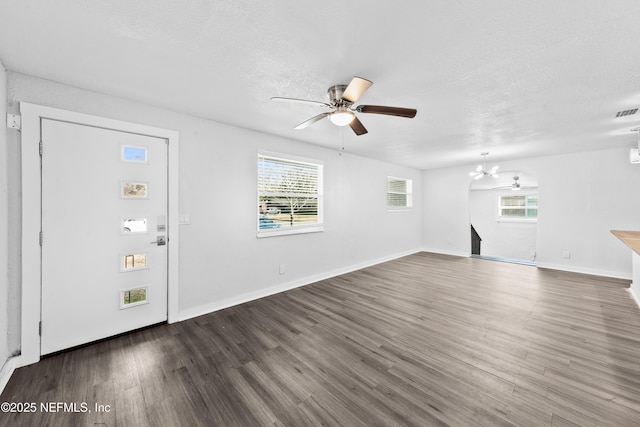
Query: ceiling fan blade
{"x": 358, "y": 127}
{"x": 356, "y": 88}
{"x": 311, "y": 121}
{"x": 388, "y": 111}
{"x": 305, "y": 101}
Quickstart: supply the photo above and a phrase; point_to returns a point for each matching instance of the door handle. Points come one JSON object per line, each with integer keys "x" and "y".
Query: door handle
{"x": 161, "y": 241}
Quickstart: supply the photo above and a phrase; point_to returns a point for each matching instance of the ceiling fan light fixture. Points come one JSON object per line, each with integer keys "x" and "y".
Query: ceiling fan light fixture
{"x": 341, "y": 117}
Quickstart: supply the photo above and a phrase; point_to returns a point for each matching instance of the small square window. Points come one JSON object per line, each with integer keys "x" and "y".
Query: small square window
{"x": 134, "y": 190}
{"x": 133, "y": 297}
{"x": 134, "y": 154}
{"x": 132, "y": 262}
{"x": 399, "y": 193}
{"x": 129, "y": 226}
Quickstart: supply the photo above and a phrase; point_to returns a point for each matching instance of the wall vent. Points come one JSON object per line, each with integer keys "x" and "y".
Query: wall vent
{"x": 626, "y": 112}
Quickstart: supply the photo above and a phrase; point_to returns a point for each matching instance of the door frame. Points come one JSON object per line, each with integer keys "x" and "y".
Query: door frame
{"x": 32, "y": 115}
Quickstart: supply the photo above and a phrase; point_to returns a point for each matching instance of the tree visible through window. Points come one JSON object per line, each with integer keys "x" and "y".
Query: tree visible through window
{"x": 289, "y": 195}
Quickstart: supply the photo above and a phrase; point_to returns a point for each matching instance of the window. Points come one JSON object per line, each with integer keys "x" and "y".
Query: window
{"x": 520, "y": 207}
{"x": 130, "y": 262}
{"x": 399, "y": 193}
{"x": 133, "y": 225}
{"x": 289, "y": 195}
{"x": 134, "y": 154}
{"x": 133, "y": 297}
{"x": 134, "y": 190}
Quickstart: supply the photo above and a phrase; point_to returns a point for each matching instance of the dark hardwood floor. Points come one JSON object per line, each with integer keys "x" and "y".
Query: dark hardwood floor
{"x": 424, "y": 340}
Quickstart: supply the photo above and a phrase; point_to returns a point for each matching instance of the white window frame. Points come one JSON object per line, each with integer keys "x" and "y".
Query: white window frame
{"x": 408, "y": 193}
{"x": 297, "y": 229}
{"x": 506, "y": 218}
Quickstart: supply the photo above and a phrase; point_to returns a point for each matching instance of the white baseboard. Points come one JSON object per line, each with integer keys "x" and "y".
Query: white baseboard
{"x": 634, "y": 294}
{"x": 7, "y": 370}
{"x": 446, "y": 252}
{"x": 584, "y": 270}
{"x": 261, "y": 293}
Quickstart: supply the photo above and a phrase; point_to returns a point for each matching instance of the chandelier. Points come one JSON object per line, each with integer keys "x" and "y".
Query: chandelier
{"x": 481, "y": 171}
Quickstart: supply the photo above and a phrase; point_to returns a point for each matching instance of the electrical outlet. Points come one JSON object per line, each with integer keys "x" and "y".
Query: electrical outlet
{"x": 566, "y": 254}
{"x": 281, "y": 268}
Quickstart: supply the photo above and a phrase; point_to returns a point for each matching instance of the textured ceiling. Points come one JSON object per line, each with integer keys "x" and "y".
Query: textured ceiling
{"x": 514, "y": 78}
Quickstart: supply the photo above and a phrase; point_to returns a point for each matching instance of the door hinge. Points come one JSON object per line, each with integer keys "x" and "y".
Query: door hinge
{"x": 40, "y": 148}
{"x": 40, "y": 238}
{"x": 40, "y": 328}
{"x": 14, "y": 121}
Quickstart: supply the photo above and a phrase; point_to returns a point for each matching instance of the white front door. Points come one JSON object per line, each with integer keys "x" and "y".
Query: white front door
{"x": 104, "y": 209}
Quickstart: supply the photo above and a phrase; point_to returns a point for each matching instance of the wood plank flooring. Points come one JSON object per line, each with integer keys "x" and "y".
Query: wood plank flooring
{"x": 425, "y": 340}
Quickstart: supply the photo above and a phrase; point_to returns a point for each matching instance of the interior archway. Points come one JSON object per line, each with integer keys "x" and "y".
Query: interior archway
{"x": 503, "y": 214}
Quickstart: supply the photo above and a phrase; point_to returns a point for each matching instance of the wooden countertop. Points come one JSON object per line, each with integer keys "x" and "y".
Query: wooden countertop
{"x": 629, "y": 238}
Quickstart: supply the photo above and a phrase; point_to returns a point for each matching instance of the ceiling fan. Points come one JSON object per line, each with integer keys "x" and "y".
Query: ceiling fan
{"x": 517, "y": 185}
{"x": 341, "y": 100}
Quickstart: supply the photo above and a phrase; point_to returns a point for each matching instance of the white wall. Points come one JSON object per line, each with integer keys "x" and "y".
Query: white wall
{"x": 445, "y": 220}
{"x": 4, "y": 222}
{"x": 582, "y": 196}
{"x": 221, "y": 260}
{"x": 224, "y": 261}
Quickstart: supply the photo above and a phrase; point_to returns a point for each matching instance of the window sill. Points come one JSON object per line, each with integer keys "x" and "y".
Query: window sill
{"x": 525, "y": 220}
{"x": 288, "y": 231}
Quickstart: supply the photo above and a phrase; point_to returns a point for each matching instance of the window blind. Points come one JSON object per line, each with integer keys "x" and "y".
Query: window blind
{"x": 399, "y": 193}
{"x": 289, "y": 195}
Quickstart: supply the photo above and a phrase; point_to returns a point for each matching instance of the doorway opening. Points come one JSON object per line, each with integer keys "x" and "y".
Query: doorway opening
{"x": 503, "y": 216}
